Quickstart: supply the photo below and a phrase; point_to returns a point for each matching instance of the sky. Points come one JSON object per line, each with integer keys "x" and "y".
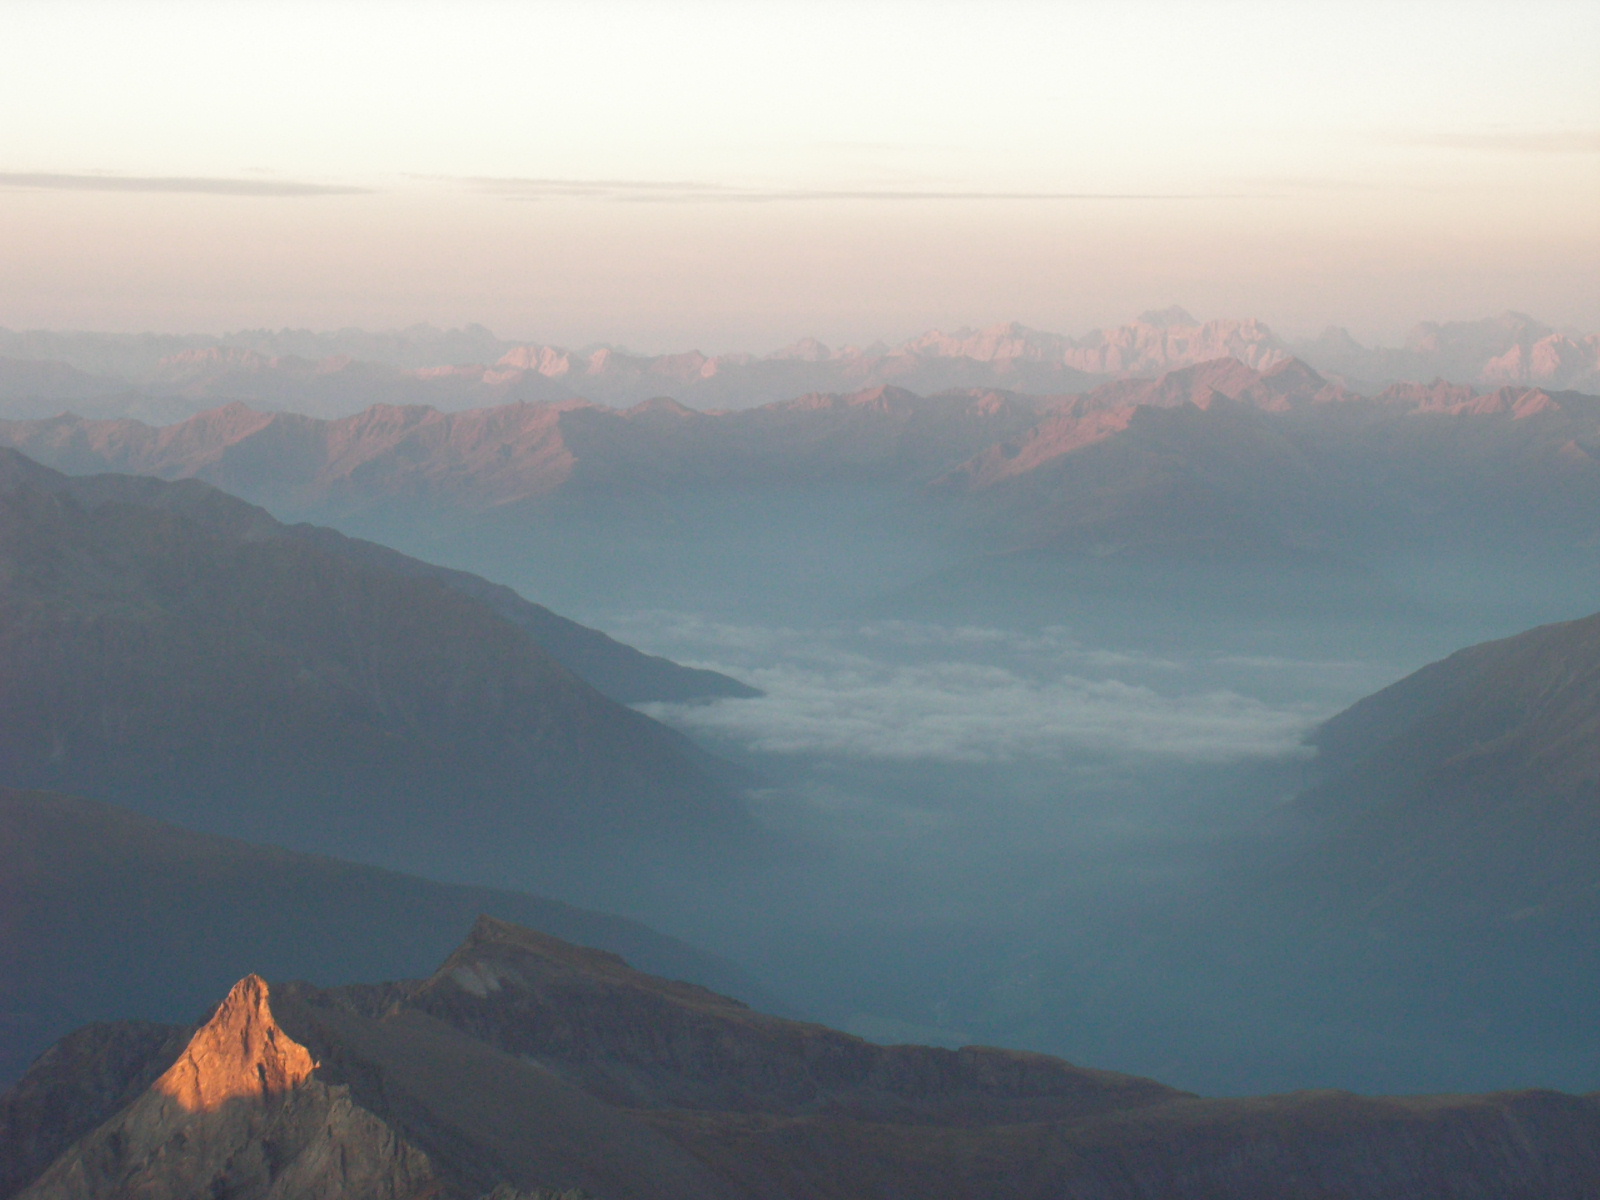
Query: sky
{"x": 666, "y": 175}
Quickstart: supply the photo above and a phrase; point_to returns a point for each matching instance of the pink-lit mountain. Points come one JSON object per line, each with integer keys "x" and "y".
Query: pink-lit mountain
{"x": 1195, "y": 456}
{"x": 167, "y": 377}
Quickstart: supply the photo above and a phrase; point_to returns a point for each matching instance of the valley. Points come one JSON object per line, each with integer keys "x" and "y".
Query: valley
{"x": 978, "y": 718}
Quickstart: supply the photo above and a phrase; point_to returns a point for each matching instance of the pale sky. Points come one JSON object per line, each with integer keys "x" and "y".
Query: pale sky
{"x": 737, "y": 175}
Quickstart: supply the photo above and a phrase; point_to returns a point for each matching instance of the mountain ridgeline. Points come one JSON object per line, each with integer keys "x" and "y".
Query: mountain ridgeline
{"x": 1269, "y": 485}
{"x": 169, "y": 377}
{"x": 529, "y": 1067}
{"x": 172, "y": 649}
{"x": 1036, "y": 472}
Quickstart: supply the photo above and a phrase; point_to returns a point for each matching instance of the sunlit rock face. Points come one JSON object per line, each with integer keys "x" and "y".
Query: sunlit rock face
{"x": 239, "y": 1114}
{"x": 241, "y": 1054}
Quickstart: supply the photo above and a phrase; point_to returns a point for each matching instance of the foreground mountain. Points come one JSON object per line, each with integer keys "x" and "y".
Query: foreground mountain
{"x": 94, "y": 894}
{"x": 527, "y": 1066}
{"x": 169, "y": 648}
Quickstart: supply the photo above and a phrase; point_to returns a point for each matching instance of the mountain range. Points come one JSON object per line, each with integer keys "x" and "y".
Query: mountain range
{"x": 527, "y": 1068}
{"x": 166, "y": 378}
{"x": 940, "y": 498}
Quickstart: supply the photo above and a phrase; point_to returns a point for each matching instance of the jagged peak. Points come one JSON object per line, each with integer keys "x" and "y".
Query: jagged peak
{"x": 241, "y": 1053}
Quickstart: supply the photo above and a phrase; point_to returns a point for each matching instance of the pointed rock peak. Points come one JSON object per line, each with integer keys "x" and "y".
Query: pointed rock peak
{"x": 240, "y": 1054}
{"x": 1167, "y": 318}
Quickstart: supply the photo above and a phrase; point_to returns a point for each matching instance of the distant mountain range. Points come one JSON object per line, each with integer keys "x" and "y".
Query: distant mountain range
{"x": 167, "y": 378}
{"x": 168, "y": 647}
{"x": 527, "y": 1068}
{"x": 1218, "y": 458}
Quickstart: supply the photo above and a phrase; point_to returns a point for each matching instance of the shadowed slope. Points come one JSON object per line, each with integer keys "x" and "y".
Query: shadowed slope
{"x": 1432, "y": 913}
{"x": 165, "y": 647}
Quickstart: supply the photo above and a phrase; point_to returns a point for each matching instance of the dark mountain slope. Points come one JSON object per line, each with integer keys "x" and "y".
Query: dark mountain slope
{"x": 1486, "y": 767}
{"x": 1429, "y": 910}
{"x": 615, "y": 669}
{"x": 526, "y": 1063}
{"x": 91, "y": 895}
{"x": 211, "y": 667}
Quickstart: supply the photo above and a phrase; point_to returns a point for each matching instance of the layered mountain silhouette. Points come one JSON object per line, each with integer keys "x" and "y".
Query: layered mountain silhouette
{"x": 338, "y": 373}
{"x": 1208, "y": 457}
{"x": 530, "y": 1067}
{"x": 94, "y": 895}
{"x": 173, "y": 649}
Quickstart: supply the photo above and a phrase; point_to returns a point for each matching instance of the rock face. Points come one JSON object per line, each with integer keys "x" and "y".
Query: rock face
{"x": 528, "y": 1067}
{"x": 74, "y": 1087}
{"x": 240, "y": 1055}
{"x": 239, "y": 1114}
{"x": 169, "y": 648}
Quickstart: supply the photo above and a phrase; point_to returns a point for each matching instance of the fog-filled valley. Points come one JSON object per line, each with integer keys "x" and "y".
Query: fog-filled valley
{"x": 704, "y": 601}
{"x": 1098, "y": 724}
{"x": 1006, "y": 708}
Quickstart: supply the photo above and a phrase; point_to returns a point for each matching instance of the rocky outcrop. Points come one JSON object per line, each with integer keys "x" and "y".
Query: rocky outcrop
{"x": 238, "y": 1114}
{"x": 645, "y": 1043}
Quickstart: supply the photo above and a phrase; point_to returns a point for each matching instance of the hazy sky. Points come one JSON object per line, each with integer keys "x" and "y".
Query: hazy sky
{"x": 737, "y": 175}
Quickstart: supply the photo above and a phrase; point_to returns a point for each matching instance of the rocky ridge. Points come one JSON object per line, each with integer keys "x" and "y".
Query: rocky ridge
{"x": 526, "y": 1066}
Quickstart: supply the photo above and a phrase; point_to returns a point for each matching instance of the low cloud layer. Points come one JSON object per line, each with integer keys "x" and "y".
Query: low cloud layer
{"x": 904, "y": 692}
